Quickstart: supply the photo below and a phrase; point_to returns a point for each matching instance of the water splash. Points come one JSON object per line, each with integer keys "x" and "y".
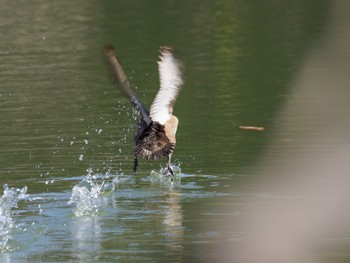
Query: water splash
{"x": 87, "y": 194}
{"x": 162, "y": 175}
{"x": 8, "y": 201}
{"x": 176, "y": 169}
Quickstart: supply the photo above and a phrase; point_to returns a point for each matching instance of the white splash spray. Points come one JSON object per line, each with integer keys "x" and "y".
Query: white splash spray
{"x": 87, "y": 194}
{"x": 8, "y": 201}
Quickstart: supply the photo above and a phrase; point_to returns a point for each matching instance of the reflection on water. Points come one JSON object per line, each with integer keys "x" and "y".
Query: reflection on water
{"x": 86, "y": 233}
{"x": 173, "y": 223}
{"x": 138, "y": 217}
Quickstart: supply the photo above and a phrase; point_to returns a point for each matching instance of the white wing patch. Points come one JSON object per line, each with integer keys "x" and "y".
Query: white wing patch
{"x": 170, "y": 77}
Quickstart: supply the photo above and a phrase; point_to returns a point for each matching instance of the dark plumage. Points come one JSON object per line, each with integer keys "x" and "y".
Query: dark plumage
{"x": 153, "y": 142}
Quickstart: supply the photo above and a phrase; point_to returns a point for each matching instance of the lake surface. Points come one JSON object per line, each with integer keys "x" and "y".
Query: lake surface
{"x": 66, "y": 136}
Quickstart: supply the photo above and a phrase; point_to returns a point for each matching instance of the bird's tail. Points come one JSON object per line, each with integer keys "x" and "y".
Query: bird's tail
{"x": 120, "y": 78}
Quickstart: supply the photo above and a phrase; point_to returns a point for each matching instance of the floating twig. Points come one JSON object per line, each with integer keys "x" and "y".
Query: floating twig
{"x": 252, "y": 128}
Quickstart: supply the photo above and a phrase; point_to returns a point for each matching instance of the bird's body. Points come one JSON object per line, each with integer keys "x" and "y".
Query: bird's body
{"x": 157, "y": 128}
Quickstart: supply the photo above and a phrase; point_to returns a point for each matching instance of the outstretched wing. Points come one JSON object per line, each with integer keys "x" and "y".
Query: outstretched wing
{"x": 121, "y": 79}
{"x": 171, "y": 81}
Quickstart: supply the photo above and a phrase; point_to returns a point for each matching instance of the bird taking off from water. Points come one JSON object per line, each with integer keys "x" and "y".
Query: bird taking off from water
{"x": 156, "y": 130}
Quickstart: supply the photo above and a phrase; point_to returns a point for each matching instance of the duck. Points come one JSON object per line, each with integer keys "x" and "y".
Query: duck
{"x": 157, "y": 127}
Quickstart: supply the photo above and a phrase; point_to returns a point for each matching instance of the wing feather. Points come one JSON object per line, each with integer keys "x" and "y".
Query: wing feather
{"x": 120, "y": 78}
{"x": 171, "y": 81}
